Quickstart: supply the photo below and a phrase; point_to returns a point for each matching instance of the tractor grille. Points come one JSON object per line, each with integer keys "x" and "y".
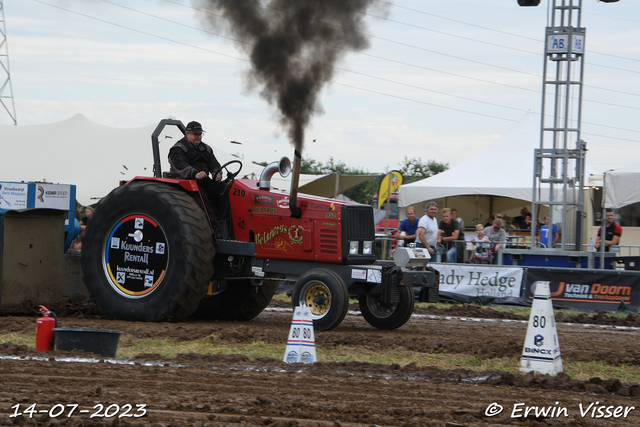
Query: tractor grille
{"x": 358, "y": 222}
{"x": 357, "y": 226}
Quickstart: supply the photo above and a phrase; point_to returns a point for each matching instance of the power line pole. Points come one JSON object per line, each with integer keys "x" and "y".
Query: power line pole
{"x": 6, "y": 90}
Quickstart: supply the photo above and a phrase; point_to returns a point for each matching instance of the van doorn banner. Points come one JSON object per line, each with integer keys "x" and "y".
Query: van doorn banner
{"x": 588, "y": 289}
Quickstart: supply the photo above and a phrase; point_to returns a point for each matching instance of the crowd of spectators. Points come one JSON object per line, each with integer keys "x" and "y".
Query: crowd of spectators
{"x": 446, "y": 237}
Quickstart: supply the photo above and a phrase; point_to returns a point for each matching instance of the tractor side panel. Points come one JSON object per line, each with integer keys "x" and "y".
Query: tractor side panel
{"x": 328, "y": 241}
{"x": 264, "y": 218}
{"x": 280, "y": 237}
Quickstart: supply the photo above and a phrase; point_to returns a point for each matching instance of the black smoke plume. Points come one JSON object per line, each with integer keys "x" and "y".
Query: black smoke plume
{"x": 293, "y": 46}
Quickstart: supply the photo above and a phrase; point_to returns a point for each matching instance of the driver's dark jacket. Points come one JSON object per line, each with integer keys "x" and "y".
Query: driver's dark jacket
{"x": 187, "y": 160}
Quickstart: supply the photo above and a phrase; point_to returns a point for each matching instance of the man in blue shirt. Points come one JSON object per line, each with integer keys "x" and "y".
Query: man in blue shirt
{"x": 409, "y": 226}
{"x": 544, "y": 234}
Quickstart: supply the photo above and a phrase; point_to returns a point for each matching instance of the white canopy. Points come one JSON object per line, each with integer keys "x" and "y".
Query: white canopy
{"x": 94, "y": 157}
{"x": 334, "y": 184}
{"x": 622, "y": 187}
{"x": 503, "y": 169}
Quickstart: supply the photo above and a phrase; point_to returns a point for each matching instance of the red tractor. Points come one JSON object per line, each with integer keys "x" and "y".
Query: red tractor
{"x": 149, "y": 253}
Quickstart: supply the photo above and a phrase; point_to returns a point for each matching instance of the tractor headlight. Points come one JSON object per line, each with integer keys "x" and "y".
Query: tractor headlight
{"x": 353, "y": 247}
{"x": 367, "y": 248}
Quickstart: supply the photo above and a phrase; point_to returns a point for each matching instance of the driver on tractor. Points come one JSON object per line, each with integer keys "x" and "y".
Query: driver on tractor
{"x": 190, "y": 158}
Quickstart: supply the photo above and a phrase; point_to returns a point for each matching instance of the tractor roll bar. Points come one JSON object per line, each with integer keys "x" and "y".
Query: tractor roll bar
{"x": 155, "y": 143}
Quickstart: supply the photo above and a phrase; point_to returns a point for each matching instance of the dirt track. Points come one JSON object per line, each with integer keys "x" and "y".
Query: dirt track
{"x": 198, "y": 389}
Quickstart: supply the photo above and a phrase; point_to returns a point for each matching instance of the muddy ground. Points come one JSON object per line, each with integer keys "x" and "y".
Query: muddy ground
{"x": 195, "y": 389}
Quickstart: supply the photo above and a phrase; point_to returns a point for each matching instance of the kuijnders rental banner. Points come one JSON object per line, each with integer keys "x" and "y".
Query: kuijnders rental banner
{"x": 588, "y": 289}
{"x": 480, "y": 280}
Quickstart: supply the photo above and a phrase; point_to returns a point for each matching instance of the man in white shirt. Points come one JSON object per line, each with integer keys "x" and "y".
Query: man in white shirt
{"x": 428, "y": 229}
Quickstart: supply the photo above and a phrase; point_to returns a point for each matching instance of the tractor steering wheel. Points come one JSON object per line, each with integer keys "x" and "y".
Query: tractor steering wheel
{"x": 230, "y": 175}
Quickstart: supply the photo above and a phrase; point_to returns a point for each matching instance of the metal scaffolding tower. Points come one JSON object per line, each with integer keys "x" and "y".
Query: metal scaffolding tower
{"x": 6, "y": 90}
{"x": 559, "y": 162}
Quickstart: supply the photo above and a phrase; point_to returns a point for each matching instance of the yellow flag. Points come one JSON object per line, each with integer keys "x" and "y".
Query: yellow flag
{"x": 396, "y": 181}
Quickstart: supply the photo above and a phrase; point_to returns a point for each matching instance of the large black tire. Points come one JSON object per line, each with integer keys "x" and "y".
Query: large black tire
{"x": 325, "y": 294}
{"x": 147, "y": 253}
{"x": 387, "y": 316}
{"x": 239, "y": 300}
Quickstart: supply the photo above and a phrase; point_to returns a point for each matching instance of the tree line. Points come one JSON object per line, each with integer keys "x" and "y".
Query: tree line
{"x": 412, "y": 169}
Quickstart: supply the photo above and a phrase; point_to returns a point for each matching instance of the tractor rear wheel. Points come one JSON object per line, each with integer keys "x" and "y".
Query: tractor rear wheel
{"x": 387, "y": 315}
{"x": 238, "y": 300}
{"x": 147, "y": 253}
{"x": 325, "y": 294}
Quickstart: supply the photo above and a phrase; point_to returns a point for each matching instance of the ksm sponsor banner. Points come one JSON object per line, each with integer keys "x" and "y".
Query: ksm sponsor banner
{"x": 587, "y": 289}
{"x": 480, "y": 280}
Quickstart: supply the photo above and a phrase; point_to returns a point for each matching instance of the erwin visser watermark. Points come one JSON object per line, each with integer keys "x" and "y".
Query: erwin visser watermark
{"x": 586, "y": 410}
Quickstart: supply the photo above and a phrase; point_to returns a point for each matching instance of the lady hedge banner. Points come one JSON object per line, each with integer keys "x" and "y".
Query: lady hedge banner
{"x": 480, "y": 280}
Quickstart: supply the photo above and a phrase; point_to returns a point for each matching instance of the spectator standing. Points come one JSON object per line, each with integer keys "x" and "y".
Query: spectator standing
{"x": 88, "y": 210}
{"x": 613, "y": 232}
{"x": 449, "y": 233}
{"x": 489, "y": 222}
{"x": 428, "y": 229}
{"x": 409, "y": 226}
{"x": 454, "y": 215}
{"x": 496, "y": 234}
{"x": 77, "y": 243}
{"x": 544, "y": 233}
{"x": 519, "y": 221}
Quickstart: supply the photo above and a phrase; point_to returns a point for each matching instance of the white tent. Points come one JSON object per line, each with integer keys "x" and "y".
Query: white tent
{"x": 622, "y": 187}
{"x": 504, "y": 169}
{"x": 94, "y": 157}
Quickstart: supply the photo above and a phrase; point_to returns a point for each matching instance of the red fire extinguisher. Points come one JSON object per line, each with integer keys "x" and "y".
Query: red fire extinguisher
{"x": 44, "y": 329}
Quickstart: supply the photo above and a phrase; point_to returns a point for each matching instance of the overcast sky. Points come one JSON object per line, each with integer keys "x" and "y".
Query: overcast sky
{"x": 441, "y": 80}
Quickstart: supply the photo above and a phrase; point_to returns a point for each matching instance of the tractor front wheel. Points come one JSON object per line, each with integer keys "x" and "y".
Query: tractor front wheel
{"x": 387, "y": 315}
{"x": 325, "y": 294}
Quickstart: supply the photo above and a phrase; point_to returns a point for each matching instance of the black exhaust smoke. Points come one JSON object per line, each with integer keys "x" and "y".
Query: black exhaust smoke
{"x": 293, "y": 46}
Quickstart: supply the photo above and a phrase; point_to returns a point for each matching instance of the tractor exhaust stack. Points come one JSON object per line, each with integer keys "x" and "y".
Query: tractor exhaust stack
{"x": 283, "y": 166}
{"x": 296, "y": 212}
